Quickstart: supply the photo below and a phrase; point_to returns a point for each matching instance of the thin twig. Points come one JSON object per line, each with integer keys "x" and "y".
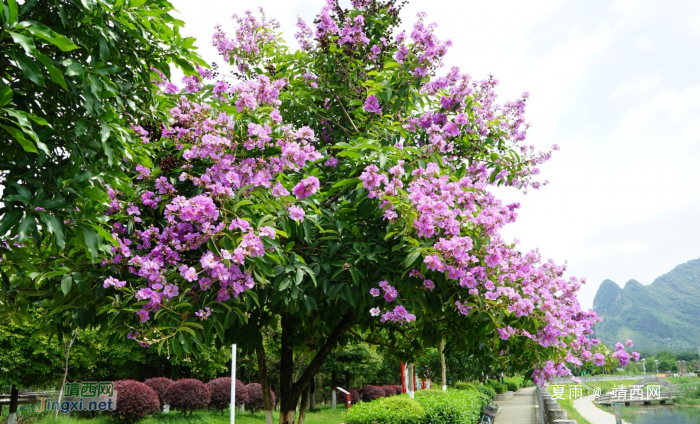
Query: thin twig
{"x": 346, "y": 114}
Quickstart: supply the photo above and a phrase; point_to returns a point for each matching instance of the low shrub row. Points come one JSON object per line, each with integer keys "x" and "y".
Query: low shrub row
{"x": 370, "y": 393}
{"x": 498, "y": 387}
{"x": 452, "y": 406}
{"x": 135, "y": 400}
{"x": 391, "y": 410}
{"x": 429, "y": 407}
{"x": 487, "y": 391}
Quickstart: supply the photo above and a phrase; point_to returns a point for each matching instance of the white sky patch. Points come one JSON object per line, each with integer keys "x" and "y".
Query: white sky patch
{"x": 614, "y": 84}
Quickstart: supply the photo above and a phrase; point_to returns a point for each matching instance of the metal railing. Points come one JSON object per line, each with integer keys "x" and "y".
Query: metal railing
{"x": 567, "y": 380}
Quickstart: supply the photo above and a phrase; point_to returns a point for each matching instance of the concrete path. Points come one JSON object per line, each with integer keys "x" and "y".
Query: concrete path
{"x": 592, "y": 413}
{"x": 520, "y": 409}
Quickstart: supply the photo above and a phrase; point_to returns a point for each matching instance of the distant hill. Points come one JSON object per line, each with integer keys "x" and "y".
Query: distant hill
{"x": 664, "y": 315}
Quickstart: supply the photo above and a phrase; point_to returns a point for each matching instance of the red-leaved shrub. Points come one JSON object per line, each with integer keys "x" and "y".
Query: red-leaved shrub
{"x": 354, "y": 396}
{"x": 255, "y": 398}
{"x": 388, "y": 391}
{"x": 397, "y": 389}
{"x": 134, "y": 400}
{"x": 160, "y": 385}
{"x": 188, "y": 394}
{"x": 220, "y": 389}
{"x": 370, "y": 393}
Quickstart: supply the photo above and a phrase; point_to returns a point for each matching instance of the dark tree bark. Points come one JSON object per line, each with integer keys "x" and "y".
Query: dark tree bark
{"x": 312, "y": 394}
{"x": 262, "y": 369}
{"x": 14, "y": 397}
{"x": 302, "y": 407}
{"x": 290, "y": 391}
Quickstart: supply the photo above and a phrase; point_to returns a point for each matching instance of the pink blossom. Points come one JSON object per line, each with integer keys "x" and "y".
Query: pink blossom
{"x": 296, "y": 213}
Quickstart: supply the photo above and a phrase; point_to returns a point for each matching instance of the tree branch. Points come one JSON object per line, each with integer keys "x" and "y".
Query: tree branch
{"x": 316, "y": 363}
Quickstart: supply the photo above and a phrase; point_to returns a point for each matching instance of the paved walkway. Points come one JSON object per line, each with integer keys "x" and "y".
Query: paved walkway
{"x": 520, "y": 409}
{"x": 592, "y": 413}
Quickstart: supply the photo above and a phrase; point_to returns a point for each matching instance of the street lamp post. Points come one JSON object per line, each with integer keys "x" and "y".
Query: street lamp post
{"x": 657, "y": 365}
{"x": 644, "y": 364}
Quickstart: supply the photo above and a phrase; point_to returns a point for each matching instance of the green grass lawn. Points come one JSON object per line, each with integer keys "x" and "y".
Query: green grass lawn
{"x": 324, "y": 415}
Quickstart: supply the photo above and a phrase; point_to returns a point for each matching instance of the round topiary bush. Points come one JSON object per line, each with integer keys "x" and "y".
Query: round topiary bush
{"x": 397, "y": 389}
{"x": 188, "y": 394}
{"x": 370, "y": 393}
{"x": 388, "y": 390}
{"x": 354, "y": 396}
{"x": 220, "y": 389}
{"x": 160, "y": 385}
{"x": 135, "y": 400}
{"x": 255, "y": 398}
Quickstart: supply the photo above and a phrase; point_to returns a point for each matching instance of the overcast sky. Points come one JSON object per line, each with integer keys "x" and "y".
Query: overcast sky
{"x": 616, "y": 84}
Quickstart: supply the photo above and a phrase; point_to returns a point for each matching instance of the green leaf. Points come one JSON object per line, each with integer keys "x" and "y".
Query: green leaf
{"x": 55, "y": 75}
{"x": 185, "y": 66}
{"x": 29, "y": 68}
{"x": 66, "y": 283}
{"x": 25, "y": 229}
{"x": 411, "y": 258}
{"x": 12, "y": 8}
{"x": 27, "y": 145}
{"x": 26, "y": 42}
{"x": 73, "y": 68}
{"x": 54, "y": 228}
{"x": 49, "y": 35}
{"x": 5, "y": 95}
{"x": 9, "y": 220}
{"x": 91, "y": 241}
{"x": 104, "y": 131}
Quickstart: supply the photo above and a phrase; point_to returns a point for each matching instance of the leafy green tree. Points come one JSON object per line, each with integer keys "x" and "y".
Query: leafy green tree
{"x": 323, "y": 177}
{"x": 75, "y": 76}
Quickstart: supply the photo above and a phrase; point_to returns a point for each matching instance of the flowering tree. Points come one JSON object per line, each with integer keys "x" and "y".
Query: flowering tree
{"x": 340, "y": 185}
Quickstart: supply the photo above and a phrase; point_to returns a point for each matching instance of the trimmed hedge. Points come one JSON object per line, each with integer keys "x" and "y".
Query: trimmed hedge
{"x": 160, "y": 385}
{"x": 397, "y": 389}
{"x": 220, "y": 389}
{"x": 464, "y": 386}
{"x": 487, "y": 391}
{"x": 255, "y": 398}
{"x": 391, "y": 410}
{"x": 370, "y": 393}
{"x": 354, "y": 396}
{"x": 135, "y": 400}
{"x": 498, "y": 388}
{"x": 451, "y": 406}
{"x": 188, "y": 394}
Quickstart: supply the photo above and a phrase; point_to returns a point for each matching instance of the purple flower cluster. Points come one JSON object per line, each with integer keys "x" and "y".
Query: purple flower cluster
{"x": 306, "y": 187}
{"x": 251, "y": 38}
{"x": 372, "y": 105}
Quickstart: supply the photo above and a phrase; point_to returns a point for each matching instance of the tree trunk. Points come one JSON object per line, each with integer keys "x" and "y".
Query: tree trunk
{"x": 442, "y": 364}
{"x": 14, "y": 397}
{"x": 312, "y": 395}
{"x": 288, "y": 397}
{"x": 262, "y": 370}
{"x": 65, "y": 372}
{"x": 290, "y": 391}
{"x": 347, "y": 379}
{"x": 302, "y": 408}
{"x": 334, "y": 396}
